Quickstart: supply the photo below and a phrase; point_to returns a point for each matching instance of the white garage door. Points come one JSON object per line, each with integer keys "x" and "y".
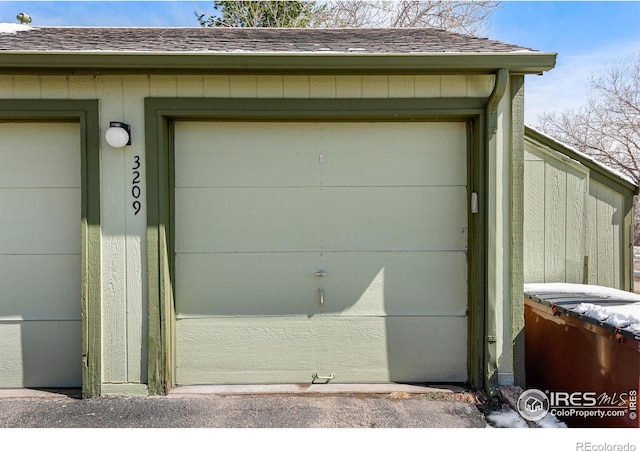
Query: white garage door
{"x": 335, "y": 249}
{"x": 40, "y": 265}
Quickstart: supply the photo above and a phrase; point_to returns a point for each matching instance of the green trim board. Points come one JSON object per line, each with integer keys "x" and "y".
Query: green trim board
{"x": 161, "y": 114}
{"x": 627, "y": 257}
{"x": 281, "y": 63}
{"x": 517, "y": 228}
{"x": 86, "y": 113}
{"x": 557, "y": 156}
{"x": 477, "y": 259}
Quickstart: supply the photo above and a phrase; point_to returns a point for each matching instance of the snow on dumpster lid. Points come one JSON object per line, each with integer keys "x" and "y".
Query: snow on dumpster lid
{"x": 579, "y": 290}
{"x": 606, "y": 306}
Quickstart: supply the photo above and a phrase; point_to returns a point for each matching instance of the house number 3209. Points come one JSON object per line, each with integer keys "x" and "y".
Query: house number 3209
{"x": 136, "y": 191}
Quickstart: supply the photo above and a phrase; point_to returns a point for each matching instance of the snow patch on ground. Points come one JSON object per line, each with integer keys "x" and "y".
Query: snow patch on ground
{"x": 13, "y": 28}
{"x": 509, "y": 418}
{"x": 506, "y": 418}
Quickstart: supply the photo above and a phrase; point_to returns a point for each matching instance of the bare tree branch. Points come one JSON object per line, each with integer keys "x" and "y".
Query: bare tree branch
{"x": 459, "y": 16}
{"x": 468, "y": 17}
{"x": 608, "y": 126}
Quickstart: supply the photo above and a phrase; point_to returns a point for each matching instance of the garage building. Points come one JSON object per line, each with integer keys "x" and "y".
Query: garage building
{"x": 294, "y": 206}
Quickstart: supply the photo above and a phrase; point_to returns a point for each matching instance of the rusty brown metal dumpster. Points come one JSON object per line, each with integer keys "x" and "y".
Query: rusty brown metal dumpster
{"x": 588, "y": 369}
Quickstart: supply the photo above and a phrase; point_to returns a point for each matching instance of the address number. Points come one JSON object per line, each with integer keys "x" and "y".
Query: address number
{"x": 136, "y": 191}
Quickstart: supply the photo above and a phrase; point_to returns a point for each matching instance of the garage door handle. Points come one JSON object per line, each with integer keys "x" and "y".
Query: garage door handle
{"x": 321, "y": 274}
{"x": 316, "y": 376}
{"x": 321, "y": 296}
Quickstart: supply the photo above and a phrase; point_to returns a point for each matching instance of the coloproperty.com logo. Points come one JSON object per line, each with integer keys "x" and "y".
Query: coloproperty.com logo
{"x": 535, "y": 404}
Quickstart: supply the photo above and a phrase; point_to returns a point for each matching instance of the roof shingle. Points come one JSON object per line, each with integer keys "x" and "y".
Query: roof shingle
{"x": 249, "y": 40}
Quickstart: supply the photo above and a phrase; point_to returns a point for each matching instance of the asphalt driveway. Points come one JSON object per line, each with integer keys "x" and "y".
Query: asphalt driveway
{"x": 396, "y": 409}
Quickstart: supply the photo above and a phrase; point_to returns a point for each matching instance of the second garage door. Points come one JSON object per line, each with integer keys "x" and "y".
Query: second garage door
{"x": 40, "y": 262}
{"x": 320, "y": 250}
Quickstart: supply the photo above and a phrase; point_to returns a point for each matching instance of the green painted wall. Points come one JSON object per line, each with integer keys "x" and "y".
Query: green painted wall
{"x": 122, "y": 266}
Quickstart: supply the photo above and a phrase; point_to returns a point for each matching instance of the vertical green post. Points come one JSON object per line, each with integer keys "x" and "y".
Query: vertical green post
{"x": 517, "y": 224}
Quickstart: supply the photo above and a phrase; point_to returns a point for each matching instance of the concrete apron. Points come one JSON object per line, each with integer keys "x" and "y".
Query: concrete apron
{"x": 296, "y": 389}
{"x": 269, "y": 389}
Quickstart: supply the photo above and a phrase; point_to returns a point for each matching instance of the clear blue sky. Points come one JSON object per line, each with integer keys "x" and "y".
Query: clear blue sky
{"x": 587, "y": 36}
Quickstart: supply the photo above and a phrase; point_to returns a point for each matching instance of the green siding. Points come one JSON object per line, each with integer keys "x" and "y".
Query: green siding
{"x": 124, "y": 236}
{"x": 576, "y": 227}
{"x": 555, "y": 214}
{"x": 606, "y": 236}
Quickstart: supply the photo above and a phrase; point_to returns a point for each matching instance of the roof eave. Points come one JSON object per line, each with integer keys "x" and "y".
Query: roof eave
{"x": 586, "y": 160}
{"x": 362, "y": 63}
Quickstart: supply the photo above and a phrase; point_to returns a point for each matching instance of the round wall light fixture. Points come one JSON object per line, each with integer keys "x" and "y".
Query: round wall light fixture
{"x": 118, "y": 134}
